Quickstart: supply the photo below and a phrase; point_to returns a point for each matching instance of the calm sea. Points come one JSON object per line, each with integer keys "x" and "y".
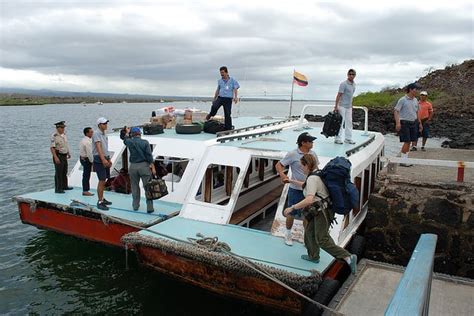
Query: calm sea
{"x": 44, "y": 272}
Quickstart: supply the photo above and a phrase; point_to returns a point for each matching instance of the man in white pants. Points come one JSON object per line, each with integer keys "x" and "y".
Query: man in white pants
{"x": 344, "y": 107}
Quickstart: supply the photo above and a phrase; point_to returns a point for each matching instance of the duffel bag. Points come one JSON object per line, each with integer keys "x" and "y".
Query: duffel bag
{"x": 213, "y": 127}
{"x": 152, "y": 129}
{"x": 155, "y": 189}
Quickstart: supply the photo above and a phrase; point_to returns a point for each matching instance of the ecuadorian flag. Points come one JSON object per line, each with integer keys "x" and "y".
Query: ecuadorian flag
{"x": 300, "y": 79}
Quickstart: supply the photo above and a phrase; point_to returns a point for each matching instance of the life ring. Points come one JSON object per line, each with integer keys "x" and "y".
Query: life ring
{"x": 194, "y": 128}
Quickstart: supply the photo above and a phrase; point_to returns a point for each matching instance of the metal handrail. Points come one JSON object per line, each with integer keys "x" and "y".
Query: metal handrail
{"x": 412, "y": 296}
{"x": 365, "y": 109}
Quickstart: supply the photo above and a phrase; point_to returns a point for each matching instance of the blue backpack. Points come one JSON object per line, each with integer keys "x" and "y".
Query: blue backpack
{"x": 336, "y": 175}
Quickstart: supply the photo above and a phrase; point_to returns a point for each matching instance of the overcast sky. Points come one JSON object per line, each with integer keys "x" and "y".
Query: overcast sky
{"x": 170, "y": 48}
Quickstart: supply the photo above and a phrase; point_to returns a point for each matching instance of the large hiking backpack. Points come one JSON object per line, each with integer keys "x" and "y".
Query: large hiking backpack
{"x": 213, "y": 127}
{"x": 332, "y": 124}
{"x": 336, "y": 175}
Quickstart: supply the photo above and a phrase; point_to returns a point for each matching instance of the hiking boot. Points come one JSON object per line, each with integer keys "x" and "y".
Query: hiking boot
{"x": 288, "y": 240}
{"x": 102, "y": 206}
{"x": 338, "y": 141}
{"x": 349, "y": 141}
{"x": 307, "y": 258}
{"x": 413, "y": 148}
{"x": 353, "y": 264}
{"x": 106, "y": 202}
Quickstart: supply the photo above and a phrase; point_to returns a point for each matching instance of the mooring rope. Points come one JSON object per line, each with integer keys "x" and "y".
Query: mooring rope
{"x": 211, "y": 243}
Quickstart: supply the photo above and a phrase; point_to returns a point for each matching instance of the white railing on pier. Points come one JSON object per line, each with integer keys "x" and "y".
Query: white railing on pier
{"x": 412, "y": 296}
{"x": 331, "y": 107}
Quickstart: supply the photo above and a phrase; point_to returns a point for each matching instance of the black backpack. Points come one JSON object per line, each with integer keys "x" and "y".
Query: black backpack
{"x": 332, "y": 124}
{"x": 213, "y": 127}
{"x": 336, "y": 175}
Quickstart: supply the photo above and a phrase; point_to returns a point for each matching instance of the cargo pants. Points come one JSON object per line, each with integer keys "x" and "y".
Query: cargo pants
{"x": 137, "y": 171}
{"x": 316, "y": 236}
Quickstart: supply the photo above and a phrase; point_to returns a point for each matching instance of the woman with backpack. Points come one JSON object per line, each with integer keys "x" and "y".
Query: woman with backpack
{"x": 318, "y": 216}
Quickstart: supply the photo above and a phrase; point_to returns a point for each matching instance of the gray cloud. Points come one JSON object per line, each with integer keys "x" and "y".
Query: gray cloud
{"x": 261, "y": 46}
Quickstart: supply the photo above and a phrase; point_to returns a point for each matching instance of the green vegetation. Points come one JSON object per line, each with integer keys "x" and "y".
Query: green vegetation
{"x": 377, "y": 99}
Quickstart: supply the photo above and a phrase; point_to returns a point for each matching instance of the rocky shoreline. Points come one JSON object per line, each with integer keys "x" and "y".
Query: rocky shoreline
{"x": 456, "y": 125}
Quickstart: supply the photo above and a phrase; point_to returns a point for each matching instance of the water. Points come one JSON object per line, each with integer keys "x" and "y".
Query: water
{"x": 44, "y": 272}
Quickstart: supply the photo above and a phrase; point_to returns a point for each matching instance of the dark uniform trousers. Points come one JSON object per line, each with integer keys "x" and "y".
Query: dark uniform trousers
{"x": 60, "y": 175}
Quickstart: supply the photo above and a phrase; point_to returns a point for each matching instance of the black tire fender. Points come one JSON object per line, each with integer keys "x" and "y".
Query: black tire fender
{"x": 326, "y": 291}
{"x": 194, "y": 128}
{"x": 357, "y": 246}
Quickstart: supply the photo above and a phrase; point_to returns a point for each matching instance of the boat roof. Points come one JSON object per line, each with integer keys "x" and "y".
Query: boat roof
{"x": 238, "y": 122}
{"x": 120, "y": 208}
{"x": 256, "y": 245}
{"x": 285, "y": 141}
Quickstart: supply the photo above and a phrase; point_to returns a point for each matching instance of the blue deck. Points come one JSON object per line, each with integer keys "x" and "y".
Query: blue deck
{"x": 121, "y": 205}
{"x": 286, "y": 141}
{"x": 253, "y": 244}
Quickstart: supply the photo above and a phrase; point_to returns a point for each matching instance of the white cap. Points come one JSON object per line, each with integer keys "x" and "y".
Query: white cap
{"x": 423, "y": 93}
{"x": 102, "y": 120}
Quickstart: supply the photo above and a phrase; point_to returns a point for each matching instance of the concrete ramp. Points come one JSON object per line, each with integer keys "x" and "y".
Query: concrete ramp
{"x": 370, "y": 292}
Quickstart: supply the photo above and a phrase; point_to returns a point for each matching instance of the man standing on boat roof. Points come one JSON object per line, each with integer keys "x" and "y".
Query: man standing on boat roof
{"x": 102, "y": 164}
{"x": 344, "y": 107}
{"x": 86, "y": 158}
{"x": 61, "y": 153}
{"x": 407, "y": 120}
{"x": 226, "y": 92}
{"x": 295, "y": 192}
{"x": 141, "y": 165}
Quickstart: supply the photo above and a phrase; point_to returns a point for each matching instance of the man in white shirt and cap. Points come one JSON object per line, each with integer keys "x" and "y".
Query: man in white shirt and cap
{"x": 86, "y": 159}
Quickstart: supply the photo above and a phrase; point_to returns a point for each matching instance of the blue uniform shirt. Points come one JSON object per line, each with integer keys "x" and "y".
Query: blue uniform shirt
{"x": 226, "y": 87}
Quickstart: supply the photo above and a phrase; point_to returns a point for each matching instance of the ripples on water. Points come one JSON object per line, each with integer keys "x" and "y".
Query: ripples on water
{"x": 44, "y": 272}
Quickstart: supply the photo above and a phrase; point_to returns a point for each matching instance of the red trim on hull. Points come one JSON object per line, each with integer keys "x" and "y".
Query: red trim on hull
{"x": 220, "y": 281}
{"x": 75, "y": 225}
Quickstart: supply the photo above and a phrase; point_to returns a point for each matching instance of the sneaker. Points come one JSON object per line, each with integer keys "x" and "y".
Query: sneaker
{"x": 338, "y": 141}
{"x": 307, "y": 258}
{"x": 102, "y": 206}
{"x": 150, "y": 211}
{"x": 87, "y": 193}
{"x": 208, "y": 117}
{"x": 288, "y": 240}
{"x": 349, "y": 141}
{"x": 68, "y": 188}
{"x": 423, "y": 149}
{"x": 61, "y": 191}
{"x": 106, "y": 202}
{"x": 413, "y": 148}
{"x": 353, "y": 264}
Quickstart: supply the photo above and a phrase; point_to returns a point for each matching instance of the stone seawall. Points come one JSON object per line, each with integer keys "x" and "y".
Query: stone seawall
{"x": 402, "y": 209}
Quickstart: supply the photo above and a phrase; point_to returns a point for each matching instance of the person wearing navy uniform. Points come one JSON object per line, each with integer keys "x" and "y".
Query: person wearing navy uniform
{"x": 61, "y": 153}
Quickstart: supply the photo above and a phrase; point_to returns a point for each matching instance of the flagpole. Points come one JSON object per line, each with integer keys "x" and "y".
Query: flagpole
{"x": 291, "y": 96}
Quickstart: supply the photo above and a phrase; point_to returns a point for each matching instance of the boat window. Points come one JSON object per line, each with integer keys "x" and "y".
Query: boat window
{"x": 217, "y": 184}
{"x": 171, "y": 168}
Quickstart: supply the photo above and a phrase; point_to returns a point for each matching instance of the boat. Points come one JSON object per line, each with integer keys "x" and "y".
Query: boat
{"x": 220, "y": 184}
{"x": 99, "y": 103}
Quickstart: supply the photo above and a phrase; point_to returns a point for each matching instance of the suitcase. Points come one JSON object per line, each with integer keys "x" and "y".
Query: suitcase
{"x": 152, "y": 129}
{"x": 332, "y": 124}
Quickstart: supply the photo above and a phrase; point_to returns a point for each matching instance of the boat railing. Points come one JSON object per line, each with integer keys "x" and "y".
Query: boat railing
{"x": 173, "y": 162}
{"x": 365, "y": 109}
{"x": 248, "y": 136}
{"x": 412, "y": 296}
{"x": 253, "y": 127}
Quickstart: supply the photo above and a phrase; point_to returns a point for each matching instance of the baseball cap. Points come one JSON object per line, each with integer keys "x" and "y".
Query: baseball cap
{"x": 423, "y": 93}
{"x": 102, "y": 120}
{"x": 305, "y": 137}
{"x": 135, "y": 130}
